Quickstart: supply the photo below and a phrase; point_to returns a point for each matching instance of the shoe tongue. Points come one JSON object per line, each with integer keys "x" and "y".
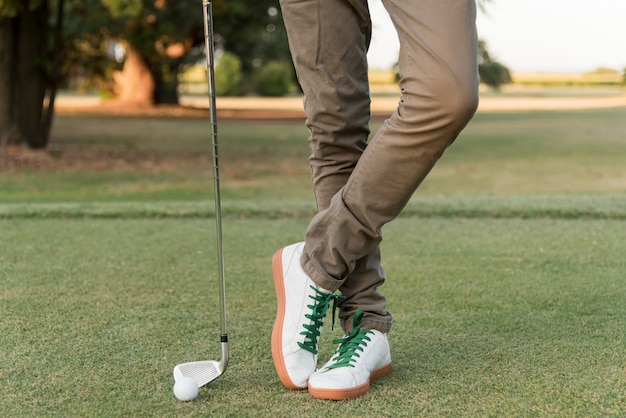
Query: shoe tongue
{"x": 323, "y": 290}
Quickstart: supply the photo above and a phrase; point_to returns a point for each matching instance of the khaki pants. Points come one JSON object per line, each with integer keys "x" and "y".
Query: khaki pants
{"x": 359, "y": 186}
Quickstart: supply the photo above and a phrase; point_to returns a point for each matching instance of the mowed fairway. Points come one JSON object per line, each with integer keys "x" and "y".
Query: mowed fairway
{"x": 505, "y": 273}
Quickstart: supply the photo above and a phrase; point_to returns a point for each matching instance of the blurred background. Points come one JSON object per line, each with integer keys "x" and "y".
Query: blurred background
{"x": 143, "y": 53}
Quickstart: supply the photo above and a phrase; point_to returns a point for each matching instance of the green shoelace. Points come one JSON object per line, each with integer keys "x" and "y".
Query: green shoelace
{"x": 318, "y": 313}
{"x": 350, "y": 344}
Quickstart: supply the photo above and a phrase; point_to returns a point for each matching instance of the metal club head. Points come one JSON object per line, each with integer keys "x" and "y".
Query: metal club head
{"x": 203, "y": 372}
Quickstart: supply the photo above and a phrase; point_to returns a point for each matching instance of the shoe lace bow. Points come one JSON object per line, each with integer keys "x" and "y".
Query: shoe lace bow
{"x": 350, "y": 344}
{"x": 321, "y": 303}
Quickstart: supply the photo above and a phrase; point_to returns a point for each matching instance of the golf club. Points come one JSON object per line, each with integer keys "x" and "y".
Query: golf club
{"x": 206, "y": 371}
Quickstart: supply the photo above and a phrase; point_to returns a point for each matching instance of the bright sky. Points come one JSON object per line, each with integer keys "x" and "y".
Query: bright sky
{"x": 533, "y": 35}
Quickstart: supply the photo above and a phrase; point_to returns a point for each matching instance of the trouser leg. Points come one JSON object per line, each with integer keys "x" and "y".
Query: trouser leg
{"x": 438, "y": 83}
{"x": 329, "y": 42}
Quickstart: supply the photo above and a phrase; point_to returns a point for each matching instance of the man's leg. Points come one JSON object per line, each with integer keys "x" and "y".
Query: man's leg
{"x": 439, "y": 80}
{"x": 329, "y": 41}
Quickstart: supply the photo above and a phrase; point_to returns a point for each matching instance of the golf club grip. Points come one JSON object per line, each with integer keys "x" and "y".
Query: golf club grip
{"x": 210, "y": 56}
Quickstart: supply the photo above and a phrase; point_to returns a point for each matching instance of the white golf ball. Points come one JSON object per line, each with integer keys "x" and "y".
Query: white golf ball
{"x": 185, "y": 389}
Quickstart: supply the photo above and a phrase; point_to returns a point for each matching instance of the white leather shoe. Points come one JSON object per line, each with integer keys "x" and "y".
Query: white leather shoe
{"x": 302, "y": 306}
{"x": 361, "y": 357}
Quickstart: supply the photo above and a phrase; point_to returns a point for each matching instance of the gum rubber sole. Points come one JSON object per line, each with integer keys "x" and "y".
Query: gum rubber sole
{"x": 353, "y": 392}
{"x": 277, "y": 334}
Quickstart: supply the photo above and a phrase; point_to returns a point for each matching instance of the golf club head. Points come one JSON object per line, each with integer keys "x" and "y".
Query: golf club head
{"x": 202, "y": 372}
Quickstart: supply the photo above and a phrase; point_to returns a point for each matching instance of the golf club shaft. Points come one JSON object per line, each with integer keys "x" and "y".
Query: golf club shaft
{"x": 210, "y": 56}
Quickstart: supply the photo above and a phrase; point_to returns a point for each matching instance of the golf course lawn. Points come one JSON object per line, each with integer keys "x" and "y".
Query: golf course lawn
{"x": 505, "y": 273}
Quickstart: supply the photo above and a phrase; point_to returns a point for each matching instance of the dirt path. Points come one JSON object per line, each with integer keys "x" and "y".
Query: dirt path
{"x": 286, "y": 108}
{"x": 384, "y": 106}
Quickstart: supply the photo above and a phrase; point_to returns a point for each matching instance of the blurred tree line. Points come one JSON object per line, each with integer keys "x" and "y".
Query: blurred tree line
{"x": 492, "y": 73}
{"x": 134, "y": 49}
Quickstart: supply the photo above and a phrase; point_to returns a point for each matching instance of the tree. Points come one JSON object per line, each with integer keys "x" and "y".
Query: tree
{"x": 492, "y": 73}
{"x": 274, "y": 79}
{"x": 41, "y": 40}
{"x": 228, "y": 75}
{"x": 157, "y": 35}
{"x": 23, "y": 39}
{"x": 252, "y": 30}
{"x": 162, "y": 36}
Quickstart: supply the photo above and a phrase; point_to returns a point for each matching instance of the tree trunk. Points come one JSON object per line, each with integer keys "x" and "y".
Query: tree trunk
{"x": 140, "y": 83}
{"x": 31, "y": 73}
{"x": 135, "y": 83}
{"x": 166, "y": 93}
{"x": 23, "y": 41}
{"x": 53, "y": 76}
{"x": 166, "y": 78}
{"x": 9, "y": 130}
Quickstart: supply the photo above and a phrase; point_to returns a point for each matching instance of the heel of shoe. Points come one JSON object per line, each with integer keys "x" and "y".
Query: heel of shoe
{"x": 380, "y": 372}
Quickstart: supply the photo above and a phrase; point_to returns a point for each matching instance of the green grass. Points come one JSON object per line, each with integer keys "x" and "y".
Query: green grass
{"x": 168, "y": 159}
{"x": 492, "y": 317}
{"x": 535, "y": 152}
{"x": 505, "y": 271}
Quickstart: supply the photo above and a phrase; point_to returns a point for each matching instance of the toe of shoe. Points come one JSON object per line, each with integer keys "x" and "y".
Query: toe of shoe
{"x": 340, "y": 378}
{"x": 333, "y": 387}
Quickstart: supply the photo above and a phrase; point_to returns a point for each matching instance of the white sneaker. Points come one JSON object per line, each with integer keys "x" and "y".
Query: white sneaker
{"x": 302, "y": 306}
{"x": 361, "y": 357}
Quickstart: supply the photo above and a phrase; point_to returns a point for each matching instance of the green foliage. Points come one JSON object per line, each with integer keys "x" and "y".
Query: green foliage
{"x": 89, "y": 33}
{"x": 11, "y": 8}
{"x": 119, "y": 8}
{"x": 228, "y": 75}
{"x": 604, "y": 71}
{"x": 252, "y": 30}
{"x": 163, "y": 33}
{"x": 275, "y": 79}
{"x": 492, "y": 73}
